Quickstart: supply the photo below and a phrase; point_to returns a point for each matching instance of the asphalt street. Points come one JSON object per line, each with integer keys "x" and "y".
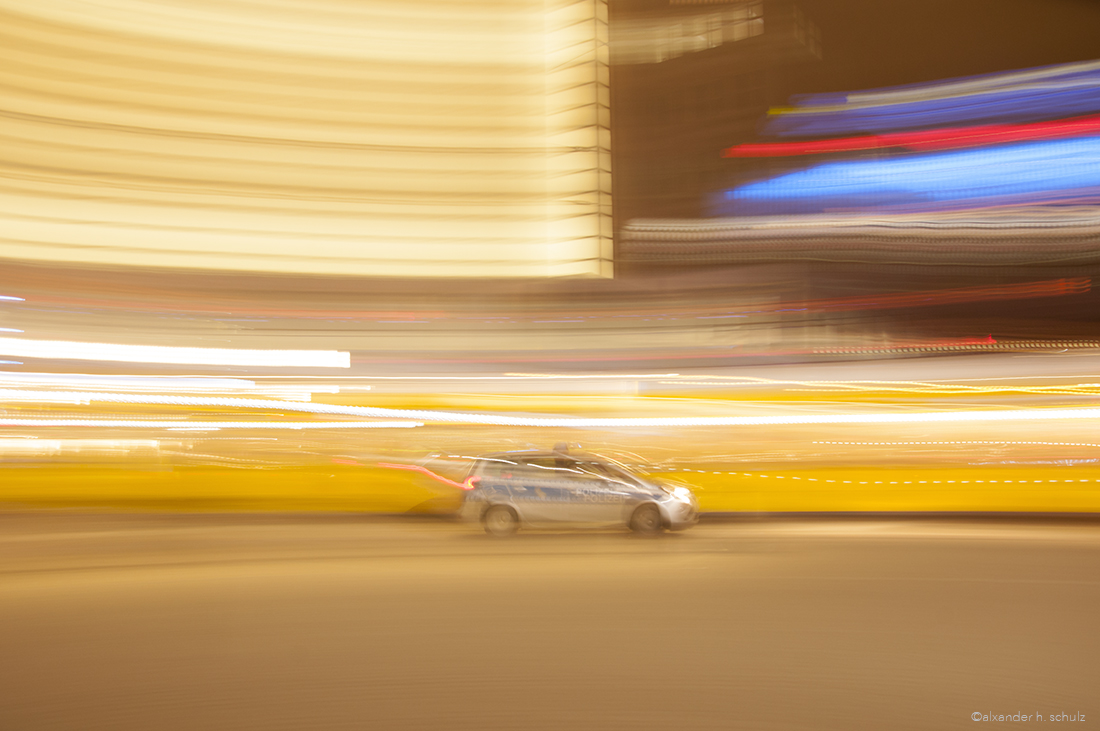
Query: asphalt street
{"x": 167, "y": 621}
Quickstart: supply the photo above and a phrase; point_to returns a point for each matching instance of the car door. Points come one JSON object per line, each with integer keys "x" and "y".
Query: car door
{"x": 492, "y": 482}
{"x": 600, "y": 494}
{"x": 542, "y": 489}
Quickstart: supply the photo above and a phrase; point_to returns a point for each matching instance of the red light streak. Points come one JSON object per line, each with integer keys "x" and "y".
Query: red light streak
{"x": 1025, "y": 290}
{"x": 938, "y": 139}
{"x": 469, "y": 484}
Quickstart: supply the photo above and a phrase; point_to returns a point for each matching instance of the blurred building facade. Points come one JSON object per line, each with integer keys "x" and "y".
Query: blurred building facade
{"x": 376, "y": 138}
{"x": 689, "y": 78}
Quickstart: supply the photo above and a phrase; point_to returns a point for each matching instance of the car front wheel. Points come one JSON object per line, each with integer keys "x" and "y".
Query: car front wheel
{"x": 646, "y": 520}
{"x": 500, "y": 521}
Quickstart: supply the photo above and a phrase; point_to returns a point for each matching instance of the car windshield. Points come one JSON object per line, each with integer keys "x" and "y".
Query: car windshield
{"x": 551, "y": 466}
{"x": 606, "y": 471}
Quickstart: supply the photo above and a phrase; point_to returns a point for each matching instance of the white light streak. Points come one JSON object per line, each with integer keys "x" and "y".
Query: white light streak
{"x": 423, "y": 415}
{"x": 986, "y": 443}
{"x": 160, "y": 384}
{"x": 209, "y": 425}
{"x": 518, "y": 377}
{"x": 73, "y": 350}
{"x": 34, "y": 446}
{"x": 569, "y": 376}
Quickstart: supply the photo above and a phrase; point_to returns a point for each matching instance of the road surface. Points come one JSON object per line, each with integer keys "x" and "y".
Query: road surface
{"x": 343, "y": 622}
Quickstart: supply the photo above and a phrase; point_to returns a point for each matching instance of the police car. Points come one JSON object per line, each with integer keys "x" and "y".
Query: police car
{"x": 559, "y": 488}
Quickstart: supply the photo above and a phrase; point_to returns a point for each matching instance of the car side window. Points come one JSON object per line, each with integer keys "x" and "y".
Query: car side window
{"x": 496, "y": 468}
{"x": 596, "y": 469}
{"x": 549, "y": 468}
{"x": 611, "y": 474}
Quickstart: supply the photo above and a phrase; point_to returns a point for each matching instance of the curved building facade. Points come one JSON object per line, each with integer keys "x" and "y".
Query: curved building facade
{"x": 383, "y": 137}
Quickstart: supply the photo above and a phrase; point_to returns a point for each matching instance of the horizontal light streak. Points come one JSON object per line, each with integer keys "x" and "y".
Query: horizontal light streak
{"x": 754, "y": 381}
{"x": 894, "y": 482}
{"x": 75, "y": 350}
{"x": 954, "y": 87}
{"x": 911, "y": 418}
{"x": 933, "y": 389}
{"x": 952, "y": 233}
{"x": 161, "y": 384}
{"x": 424, "y": 415}
{"x": 927, "y": 298}
{"x": 87, "y": 397}
{"x": 1027, "y": 172}
{"x": 983, "y": 443}
{"x": 565, "y": 377}
{"x": 206, "y": 425}
{"x": 937, "y": 139}
{"x": 34, "y": 445}
{"x": 468, "y": 484}
{"x": 1016, "y": 103}
{"x": 1028, "y": 221}
{"x": 1055, "y": 90}
{"x": 511, "y": 377}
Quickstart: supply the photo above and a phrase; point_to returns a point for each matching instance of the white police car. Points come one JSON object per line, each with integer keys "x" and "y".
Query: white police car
{"x": 559, "y": 488}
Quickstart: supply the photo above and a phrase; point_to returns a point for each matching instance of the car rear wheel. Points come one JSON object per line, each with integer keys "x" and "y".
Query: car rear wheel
{"x": 500, "y": 521}
{"x": 646, "y": 520}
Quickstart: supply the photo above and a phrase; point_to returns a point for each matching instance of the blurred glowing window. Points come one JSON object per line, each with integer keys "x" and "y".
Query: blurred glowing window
{"x": 653, "y": 40}
{"x": 714, "y": 31}
{"x": 807, "y": 32}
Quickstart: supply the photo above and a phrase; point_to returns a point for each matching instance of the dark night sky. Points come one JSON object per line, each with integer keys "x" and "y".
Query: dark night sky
{"x": 873, "y": 43}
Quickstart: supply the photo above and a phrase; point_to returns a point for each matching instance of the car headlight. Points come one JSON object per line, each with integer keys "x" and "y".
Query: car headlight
{"x": 679, "y": 492}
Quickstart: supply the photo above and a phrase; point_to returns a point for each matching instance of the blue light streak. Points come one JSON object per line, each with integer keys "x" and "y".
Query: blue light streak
{"x": 1029, "y": 103}
{"x": 1028, "y": 172}
{"x": 955, "y": 86}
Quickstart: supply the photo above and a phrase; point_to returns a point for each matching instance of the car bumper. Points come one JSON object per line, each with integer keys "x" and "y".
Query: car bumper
{"x": 679, "y": 516}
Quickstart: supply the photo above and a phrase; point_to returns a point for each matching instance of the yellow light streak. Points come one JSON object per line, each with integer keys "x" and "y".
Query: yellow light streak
{"x": 424, "y": 415}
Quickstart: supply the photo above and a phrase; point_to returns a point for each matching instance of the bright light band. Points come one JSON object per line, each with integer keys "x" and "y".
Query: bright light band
{"x": 206, "y": 425}
{"x": 956, "y": 87}
{"x": 159, "y": 384}
{"x": 1029, "y": 102}
{"x": 73, "y": 350}
{"x": 974, "y": 236}
{"x": 419, "y": 416}
{"x": 938, "y": 139}
{"x": 1023, "y": 173}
